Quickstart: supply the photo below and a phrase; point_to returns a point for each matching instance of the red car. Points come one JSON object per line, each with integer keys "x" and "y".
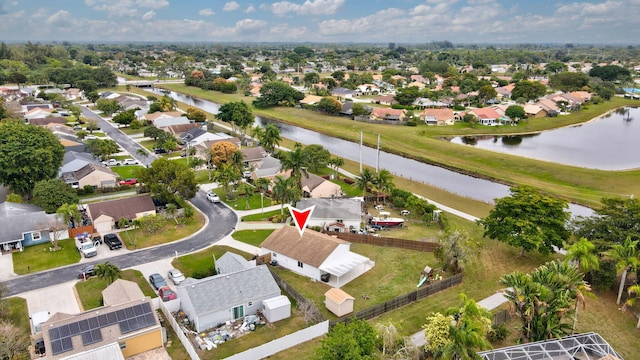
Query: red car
{"x": 128, "y": 182}
{"x": 166, "y": 294}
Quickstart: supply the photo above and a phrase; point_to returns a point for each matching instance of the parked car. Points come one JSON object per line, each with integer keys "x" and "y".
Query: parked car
{"x": 90, "y": 137}
{"x": 130, "y": 161}
{"x": 77, "y": 127}
{"x": 176, "y": 276}
{"x": 166, "y": 294}
{"x": 405, "y": 212}
{"x": 96, "y": 238}
{"x": 128, "y": 182}
{"x": 213, "y": 197}
{"x": 113, "y": 241}
{"x": 376, "y": 227}
{"x": 112, "y": 162}
{"x": 87, "y": 272}
{"x": 157, "y": 281}
{"x": 159, "y": 151}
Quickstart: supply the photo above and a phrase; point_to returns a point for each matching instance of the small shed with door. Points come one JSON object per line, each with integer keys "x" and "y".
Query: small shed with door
{"x": 277, "y": 308}
{"x": 339, "y": 302}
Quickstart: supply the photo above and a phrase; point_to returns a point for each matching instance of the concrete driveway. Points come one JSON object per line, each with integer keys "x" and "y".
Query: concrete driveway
{"x": 54, "y": 299}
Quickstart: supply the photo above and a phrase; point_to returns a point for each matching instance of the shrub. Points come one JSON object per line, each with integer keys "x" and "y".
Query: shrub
{"x": 497, "y": 333}
{"x": 88, "y": 189}
{"x": 412, "y": 122}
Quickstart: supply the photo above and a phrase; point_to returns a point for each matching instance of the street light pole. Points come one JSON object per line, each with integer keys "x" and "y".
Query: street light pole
{"x": 262, "y": 201}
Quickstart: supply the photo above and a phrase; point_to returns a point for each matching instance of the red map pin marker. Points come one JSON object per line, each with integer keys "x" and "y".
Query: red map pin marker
{"x": 301, "y": 217}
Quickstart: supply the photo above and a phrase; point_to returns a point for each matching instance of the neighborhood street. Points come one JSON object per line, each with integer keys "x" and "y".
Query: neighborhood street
{"x": 221, "y": 222}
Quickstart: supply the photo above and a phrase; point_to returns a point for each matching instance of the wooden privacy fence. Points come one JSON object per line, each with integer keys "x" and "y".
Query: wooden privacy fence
{"x": 401, "y": 300}
{"x": 386, "y": 241}
{"x": 501, "y": 317}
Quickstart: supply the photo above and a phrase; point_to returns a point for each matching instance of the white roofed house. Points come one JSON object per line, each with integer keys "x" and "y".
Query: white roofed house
{"x": 315, "y": 255}
{"x": 334, "y": 214}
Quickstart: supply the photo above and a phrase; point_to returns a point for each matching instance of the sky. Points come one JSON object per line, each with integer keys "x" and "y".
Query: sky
{"x": 324, "y": 21}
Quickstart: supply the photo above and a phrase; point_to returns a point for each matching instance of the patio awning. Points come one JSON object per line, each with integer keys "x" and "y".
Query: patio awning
{"x": 343, "y": 264}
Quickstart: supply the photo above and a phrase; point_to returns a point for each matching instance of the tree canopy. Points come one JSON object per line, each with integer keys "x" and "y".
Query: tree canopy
{"x": 169, "y": 180}
{"x": 515, "y": 112}
{"x": 355, "y": 340}
{"x": 277, "y": 93}
{"x": 609, "y": 72}
{"x": 52, "y": 194}
{"x": 528, "y": 219}
{"x": 530, "y": 90}
{"x": 125, "y": 117}
{"x": 28, "y": 154}
{"x": 236, "y": 113}
{"x": 568, "y": 81}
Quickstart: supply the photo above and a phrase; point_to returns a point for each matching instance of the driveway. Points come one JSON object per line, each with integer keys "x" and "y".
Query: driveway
{"x": 222, "y": 221}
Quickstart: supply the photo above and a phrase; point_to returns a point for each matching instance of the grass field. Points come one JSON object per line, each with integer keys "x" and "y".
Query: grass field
{"x": 127, "y": 171}
{"x": 90, "y": 290}
{"x": 202, "y": 262}
{"x": 252, "y": 237}
{"x": 38, "y": 257}
{"x": 261, "y": 216}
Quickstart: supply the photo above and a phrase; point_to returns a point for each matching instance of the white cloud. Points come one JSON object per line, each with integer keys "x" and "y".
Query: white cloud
{"x": 250, "y": 9}
{"x": 206, "y": 12}
{"x": 309, "y": 7}
{"x": 126, "y": 8}
{"x": 60, "y": 18}
{"x": 148, "y": 15}
{"x": 231, "y": 6}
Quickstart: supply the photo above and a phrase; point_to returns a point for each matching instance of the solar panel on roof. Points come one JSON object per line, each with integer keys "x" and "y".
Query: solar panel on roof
{"x": 54, "y": 334}
{"x": 74, "y": 329}
{"x": 93, "y": 323}
{"x": 56, "y": 347}
{"x": 102, "y": 320}
{"x": 129, "y": 312}
{"x": 91, "y": 337}
{"x": 84, "y": 325}
{"x": 138, "y": 310}
{"x": 121, "y": 316}
{"x": 64, "y": 331}
{"x": 146, "y": 307}
{"x": 112, "y": 318}
{"x": 124, "y": 327}
{"x": 150, "y": 319}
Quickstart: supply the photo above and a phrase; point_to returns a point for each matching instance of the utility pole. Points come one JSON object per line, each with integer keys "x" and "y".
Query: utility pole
{"x": 360, "y": 150}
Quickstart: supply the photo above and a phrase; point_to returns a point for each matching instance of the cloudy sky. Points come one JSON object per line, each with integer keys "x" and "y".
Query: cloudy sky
{"x": 378, "y": 21}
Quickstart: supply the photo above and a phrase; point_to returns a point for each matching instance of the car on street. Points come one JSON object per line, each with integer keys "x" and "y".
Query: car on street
{"x": 113, "y": 241}
{"x": 159, "y": 151}
{"x": 157, "y": 281}
{"x": 112, "y": 162}
{"x": 77, "y": 127}
{"x": 130, "y": 161}
{"x": 213, "y": 197}
{"x": 90, "y": 137}
{"x": 176, "y": 276}
{"x": 128, "y": 182}
{"x": 166, "y": 294}
{"x": 86, "y": 272}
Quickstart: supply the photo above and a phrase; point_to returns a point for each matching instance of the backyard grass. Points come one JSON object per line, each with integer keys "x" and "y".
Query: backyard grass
{"x": 127, "y": 171}
{"x": 129, "y": 131}
{"x": 238, "y": 201}
{"x": 202, "y": 262}
{"x": 261, "y": 216}
{"x": 18, "y": 313}
{"x": 139, "y": 239}
{"x": 38, "y": 257}
{"x": 90, "y": 290}
{"x": 252, "y": 237}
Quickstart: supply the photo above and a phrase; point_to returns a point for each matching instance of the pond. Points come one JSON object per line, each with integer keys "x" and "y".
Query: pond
{"x": 609, "y": 142}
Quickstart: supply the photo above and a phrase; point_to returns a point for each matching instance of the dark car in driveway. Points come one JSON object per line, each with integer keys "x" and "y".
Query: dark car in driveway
{"x": 157, "y": 281}
{"x": 86, "y": 272}
{"x": 112, "y": 241}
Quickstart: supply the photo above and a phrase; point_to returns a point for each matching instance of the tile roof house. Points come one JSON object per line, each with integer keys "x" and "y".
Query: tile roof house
{"x": 91, "y": 174}
{"x": 534, "y": 111}
{"x": 315, "y": 255}
{"x": 388, "y": 114}
{"x": 310, "y": 100}
{"x": 384, "y": 100}
{"x": 177, "y": 130}
{"x": 132, "y": 326}
{"x": 214, "y": 300}
{"x": 486, "y": 116}
{"x": 438, "y": 116}
{"x": 549, "y": 106}
{"x": 505, "y": 91}
{"x": 334, "y": 214}
{"x": 314, "y": 186}
{"x": 343, "y": 93}
{"x": 43, "y": 121}
{"x": 106, "y": 214}
{"x": 24, "y": 225}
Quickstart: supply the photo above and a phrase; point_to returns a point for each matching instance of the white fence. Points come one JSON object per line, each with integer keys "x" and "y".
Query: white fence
{"x": 176, "y": 328}
{"x": 283, "y": 343}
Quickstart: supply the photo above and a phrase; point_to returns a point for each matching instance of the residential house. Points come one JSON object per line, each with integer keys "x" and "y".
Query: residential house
{"x": 25, "y": 225}
{"x": 315, "y": 255}
{"x": 441, "y": 117}
{"x": 314, "y": 186}
{"x": 343, "y": 93}
{"x": 214, "y": 300}
{"x": 75, "y": 160}
{"x": 28, "y": 107}
{"x": 419, "y": 78}
{"x": 252, "y": 155}
{"x": 132, "y": 326}
{"x": 91, "y": 174}
{"x": 534, "y": 111}
{"x": 486, "y": 116}
{"x": 388, "y": 114}
{"x": 399, "y": 79}
{"x": 198, "y": 136}
{"x": 202, "y": 149}
{"x": 417, "y": 84}
{"x": 121, "y": 291}
{"x": 164, "y": 119}
{"x": 310, "y": 100}
{"x": 368, "y": 89}
{"x": 38, "y": 113}
{"x": 333, "y": 214}
{"x": 267, "y": 168}
{"x": 177, "y": 130}
{"x": 44, "y": 121}
{"x": 339, "y": 302}
{"x": 72, "y": 94}
{"x": 504, "y": 92}
{"x": 582, "y": 96}
{"x": 231, "y": 262}
{"x": 549, "y": 106}
{"x": 387, "y": 100}
{"x": 423, "y": 103}
{"x": 109, "y": 95}
{"x": 106, "y": 214}
{"x": 9, "y": 94}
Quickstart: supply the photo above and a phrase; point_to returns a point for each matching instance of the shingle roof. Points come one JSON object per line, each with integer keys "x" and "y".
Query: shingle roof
{"x": 332, "y": 208}
{"x": 253, "y": 153}
{"x": 221, "y": 292}
{"x": 126, "y": 208}
{"x": 311, "y": 248}
{"x": 90, "y": 168}
{"x": 230, "y": 263}
{"x": 16, "y": 219}
{"x": 121, "y": 291}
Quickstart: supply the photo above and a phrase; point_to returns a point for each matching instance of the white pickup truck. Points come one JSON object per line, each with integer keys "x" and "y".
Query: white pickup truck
{"x": 86, "y": 246}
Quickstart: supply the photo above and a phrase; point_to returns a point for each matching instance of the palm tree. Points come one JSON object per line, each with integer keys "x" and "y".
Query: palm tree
{"x": 383, "y": 182}
{"x": 584, "y": 253}
{"x": 626, "y": 257}
{"x": 107, "y": 271}
{"x": 365, "y": 180}
{"x": 246, "y": 190}
{"x": 284, "y": 191}
{"x": 142, "y": 152}
{"x": 225, "y": 175}
{"x": 172, "y": 210}
{"x": 69, "y": 212}
{"x": 336, "y": 164}
{"x": 270, "y": 138}
{"x": 634, "y": 295}
{"x": 297, "y": 161}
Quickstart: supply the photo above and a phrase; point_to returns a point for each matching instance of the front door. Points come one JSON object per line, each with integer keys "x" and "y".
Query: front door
{"x": 238, "y": 312}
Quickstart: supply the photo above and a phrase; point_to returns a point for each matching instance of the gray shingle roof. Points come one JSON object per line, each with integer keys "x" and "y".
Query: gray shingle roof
{"x": 230, "y": 263}
{"x": 222, "y": 292}
{"x": 16, "y": 219}
{"x": 332, "y": 208}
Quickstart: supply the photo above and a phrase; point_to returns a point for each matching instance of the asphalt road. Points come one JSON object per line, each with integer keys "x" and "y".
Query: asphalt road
{"x": 222, "y": 221}
{"x": 123, "y": 140}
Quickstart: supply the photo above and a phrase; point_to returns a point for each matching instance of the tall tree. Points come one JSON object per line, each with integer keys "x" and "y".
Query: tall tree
{"x": 107, "y": 271}
{"x": 277, "y": 93}
{"x": 383, "y": 182}
{"x": 583, "y": 252}
{"x": 236, "y": 113}
{"x": 69, "y": 212}
{"x": 457, "y": 249}
{"x": 336, "y": 163}
{"x": 28, "y": 154}
{"x": 284, "y": 190}
{"x": 102, "y": 148}
{"x": 634, "y": 294}
{"x": 612, "y": 223}
{"x": 125, "y": 118}
{"x": 355, "y": 340}
{"x": 530, "y": 90}
{"x": 626, "y": 256}
{"x": 169, "y": 180}
{"x": 270, "y": 138}
{"x": 528, "y": 219}
{"x": 53, "y": 193}
{"x": 365, "y": 180}
{"x": 297, "y": 161}
{"x": 317, "y": 156}
{"x": 14, "y": 342}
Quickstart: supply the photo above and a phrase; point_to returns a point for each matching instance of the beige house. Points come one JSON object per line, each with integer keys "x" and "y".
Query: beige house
{"x": 338, "y": 302}
{"x": 534, "y": 111}
{"x": 106, "y": 214}
{"x": 388, "y": 114}
{"x": 438, "y": 116}
{"x": 315, "y": 186}
{"x": 94, "y": 175}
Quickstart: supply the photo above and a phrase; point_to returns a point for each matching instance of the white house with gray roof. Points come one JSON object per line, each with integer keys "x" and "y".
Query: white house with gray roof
{"x": 230, "y": 263}
{"x": 214, "y": 300}
{"x": 23, "y": 225}
{"x": 334, "y": 214}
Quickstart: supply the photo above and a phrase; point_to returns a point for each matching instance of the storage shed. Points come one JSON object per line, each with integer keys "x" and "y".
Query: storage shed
{"x": 339, "y": 302}
{"x": 276, "y": 308}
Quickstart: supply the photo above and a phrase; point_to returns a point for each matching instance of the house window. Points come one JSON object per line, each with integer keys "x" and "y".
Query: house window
{"x": 123, "y": 345}
{"x": 300, "y": 264}
{"x": 250, "y": 304}
{"x": 36, "y": 235}
{"x": 340, "y": 221}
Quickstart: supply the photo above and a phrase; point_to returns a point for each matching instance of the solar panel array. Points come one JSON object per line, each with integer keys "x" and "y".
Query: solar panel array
{"x": 129, "y": 319}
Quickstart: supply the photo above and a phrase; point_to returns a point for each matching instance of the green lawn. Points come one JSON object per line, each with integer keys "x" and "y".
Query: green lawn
{"x": 129, "y": 131}
{"x": 127, "y": 171}
{"x": 252, "y": 237}
{"x": 38, "y": 257}
{"x": 90, "y": 291}
{"x": 18, "y": 313}
{"x": 201, "y": 264}
{"x": 261, "y": 216}
{"x": 238, "y": 201}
